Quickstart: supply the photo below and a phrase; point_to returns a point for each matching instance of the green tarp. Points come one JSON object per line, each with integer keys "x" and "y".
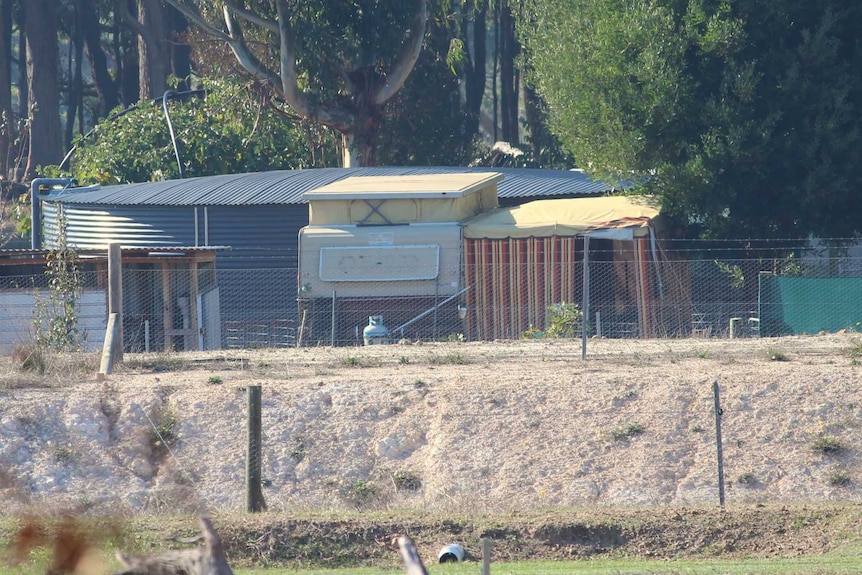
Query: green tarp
{"x": 800, "y": 305}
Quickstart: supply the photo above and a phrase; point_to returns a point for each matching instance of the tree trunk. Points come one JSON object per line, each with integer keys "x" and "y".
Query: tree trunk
{"x": 105, "y": 85}
{"x": 509, "y": 49}
{"x": 7, "y": 115}
{"x": 153, "y": 52}
{"x": 474, "y": 81}
{"x": 43, "y": 62}
{"x": 126, "y": 54}
{"x": 181, "y": 53}
{"x": 75, "y": 98}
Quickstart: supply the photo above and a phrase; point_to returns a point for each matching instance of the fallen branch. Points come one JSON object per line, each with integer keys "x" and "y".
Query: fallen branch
{"x": 208, "y": 559}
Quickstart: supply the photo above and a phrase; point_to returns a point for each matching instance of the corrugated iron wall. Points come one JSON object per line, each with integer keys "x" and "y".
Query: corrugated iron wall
{"x": 514, "y": 280}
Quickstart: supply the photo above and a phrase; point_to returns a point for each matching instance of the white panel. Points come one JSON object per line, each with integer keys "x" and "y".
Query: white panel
{"x": 16, "y": 309}
{"x": 379, "y": 263}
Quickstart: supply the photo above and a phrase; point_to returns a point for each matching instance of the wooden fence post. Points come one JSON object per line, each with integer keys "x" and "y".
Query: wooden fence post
{"x": 115, "y": 294}
{"x": 253, "y": 478}
{"x": 720, "y": 452}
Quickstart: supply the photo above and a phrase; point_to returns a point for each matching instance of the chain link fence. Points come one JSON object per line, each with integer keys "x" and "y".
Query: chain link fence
{"x": 509, "y": 289}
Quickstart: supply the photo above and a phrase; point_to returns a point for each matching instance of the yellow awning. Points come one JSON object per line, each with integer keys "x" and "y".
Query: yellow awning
{"x": 611, "y": 217}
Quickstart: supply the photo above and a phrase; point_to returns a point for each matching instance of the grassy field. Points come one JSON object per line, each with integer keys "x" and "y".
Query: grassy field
{"x": 802, "y": 554}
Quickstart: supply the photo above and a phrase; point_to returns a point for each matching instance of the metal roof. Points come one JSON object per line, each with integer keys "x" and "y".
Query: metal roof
{"x": 288, "y": 186}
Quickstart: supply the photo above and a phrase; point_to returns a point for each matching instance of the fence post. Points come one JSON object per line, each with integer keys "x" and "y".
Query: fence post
{"x": 115, "y": 294}
{"x": 106, "y": 367}
{"x": 720, "y": 453}
{"x": 253, "y": 478}
{"x": 486, "y": 556}
{"x": 332, "y": 327}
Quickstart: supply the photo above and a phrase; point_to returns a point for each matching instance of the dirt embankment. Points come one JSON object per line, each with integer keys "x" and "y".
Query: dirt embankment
{"x": 503, "y": 429}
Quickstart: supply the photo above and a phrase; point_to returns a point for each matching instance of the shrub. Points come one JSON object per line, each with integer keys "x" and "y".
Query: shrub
{"x": 631, "y": 430}
{"x": 828, "y": 446}
{"x": 564, "y": 320}
{"x": 406, "y": 480}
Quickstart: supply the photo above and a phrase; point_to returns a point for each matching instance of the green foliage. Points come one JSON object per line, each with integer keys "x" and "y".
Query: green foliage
{"x": 406, "y": 480}
{"x": 564, "y": 320}
{"x": 55, "y": 315}
{"x": 839, "y": 479}
{"x": 233, "y": 129}
{"x": 360, "y": 492}
{"x": 746, "y": 478}
{"x": 733, "y": 271}
{"x": 628, "y": 431}
{"x": 744, "y": 119}
{"x": 827, "y": 446}
{"x": 163, "y": 434}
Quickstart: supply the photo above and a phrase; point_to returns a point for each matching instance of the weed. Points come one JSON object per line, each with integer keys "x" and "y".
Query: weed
{"x": 298, "y": 453}
{"x": 164, "y": 433}
{"x": 703, "y": 354}
{"x": 776, "y": 355}
{"x": 360, "y": 492}
{"x": 214, "y": 380}
{"x": 419, "y": 384}
{"x": 855, "y": 352}
{"x": 351, "y": 361}
{"x": 449, "y": 359}
{"x": 406, "y": 480}
{"x": 827, "y": 446}
{"x": 746, "y": 478}
{"x": 697, "y": 428}
{"x": 455, "y": 337}
{"x": 63, "y": 454}
{"x": 839, "y": 479}
{"x": 30, "y": 358}
{"x": 629, "y": 431}
{"x": 403, "y": 360}
{"x": 564, "y": 320}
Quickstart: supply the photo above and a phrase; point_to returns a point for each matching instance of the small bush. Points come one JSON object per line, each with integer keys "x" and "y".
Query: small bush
{"x": 746, "y": 478}
{"x": 564, "y": 320}
{"x": 776, "y": 355}
{"x": 406, "y": 480}
{"x": 214, "y": 380}
{"x": 839, "y": 479}
{"x": 828, "y": 446}
{"x": 403, "y": 360}
{"x": 351, "y": 361}
{"x": 30, "y": 358}
{"x": 164, "y": 434}
{"x": 361, "y": 492}
{"x": 629, "y": 431}
{"x": 449, "y": 359}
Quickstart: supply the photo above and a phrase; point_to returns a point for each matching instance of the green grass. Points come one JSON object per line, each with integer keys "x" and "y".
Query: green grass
{"x": 809, "y": 565}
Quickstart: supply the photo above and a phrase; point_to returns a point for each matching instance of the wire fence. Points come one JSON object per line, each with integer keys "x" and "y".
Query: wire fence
{"x": 506, "y": 289}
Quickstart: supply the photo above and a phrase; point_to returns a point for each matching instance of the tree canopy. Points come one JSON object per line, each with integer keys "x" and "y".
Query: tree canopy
{"x": 744, "y": 116}
{"x": 232, "y": 129}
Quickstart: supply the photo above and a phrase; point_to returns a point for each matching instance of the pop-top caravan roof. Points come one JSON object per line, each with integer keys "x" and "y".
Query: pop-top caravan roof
{"x": 403, "y": 199}
{"x": 610, "y": 217}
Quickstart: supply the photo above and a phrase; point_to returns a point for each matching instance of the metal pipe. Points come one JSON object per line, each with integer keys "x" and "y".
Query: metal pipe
{"x": 165, "y": 97}
{"x": 427, "y": 311}
{"x": 36, "y": 207}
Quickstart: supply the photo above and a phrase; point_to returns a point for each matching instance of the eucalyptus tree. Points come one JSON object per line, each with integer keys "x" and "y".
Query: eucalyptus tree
{"x": 745, "y": 115}
{"x": 230, "y": 129}
{"x": 334, "y": 63}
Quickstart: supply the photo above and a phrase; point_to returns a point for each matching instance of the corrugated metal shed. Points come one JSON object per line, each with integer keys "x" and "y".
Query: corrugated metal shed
{"x": 288, "y": 186}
